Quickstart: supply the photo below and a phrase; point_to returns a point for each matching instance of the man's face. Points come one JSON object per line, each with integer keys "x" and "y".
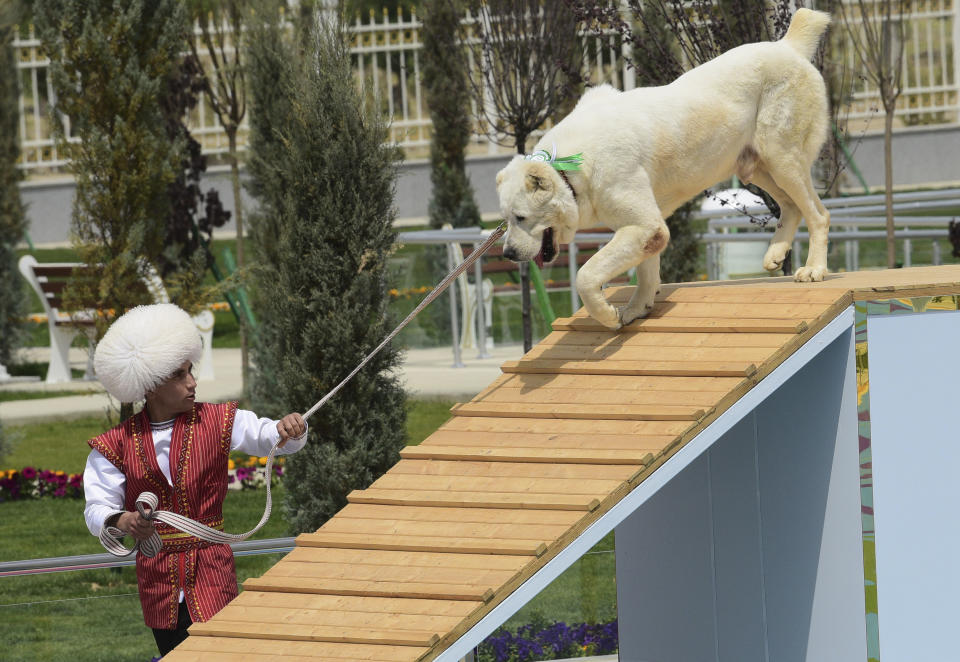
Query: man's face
{"x": 176, "y": 394}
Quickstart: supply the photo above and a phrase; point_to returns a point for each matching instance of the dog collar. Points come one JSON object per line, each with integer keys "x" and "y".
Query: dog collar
{"x": 566, "y": 181}
{"x": 559, "y": 164}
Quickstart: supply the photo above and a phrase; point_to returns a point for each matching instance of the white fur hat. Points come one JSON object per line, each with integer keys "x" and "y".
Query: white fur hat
{"x": 143, "y": 347}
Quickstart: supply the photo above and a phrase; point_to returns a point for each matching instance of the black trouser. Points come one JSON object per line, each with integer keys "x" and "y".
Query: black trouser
{"x": 167, "y": 640}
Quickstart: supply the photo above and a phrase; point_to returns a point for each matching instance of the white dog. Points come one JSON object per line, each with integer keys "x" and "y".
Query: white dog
{"x": 627, "y": 160}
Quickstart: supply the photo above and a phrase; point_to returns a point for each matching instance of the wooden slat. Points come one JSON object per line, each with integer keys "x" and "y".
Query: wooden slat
{"x": 371, "y": 589}
{"x": 504, "y": 470}
{"x": 288, "y": 650}
{"x": 404, "y": 559}
{"x": 364, "y": 605}
{"x": 398, "y": 574}
{"x": 770, "y": 294}
{"x": 221, "y": 627}
{"x": 592, "y": 411}
{"x": 344, "y": 619}
{"x": 525, "y": 485}
{"x": 640, "y": 368}
{"x": 532, "y": 455}
{"x": 529, "y": 382}
{"x": 416, "y": 514}
{"x": 646, "y": 353}
{"x": 656, "y": 339}
{"x": 564, "y": 426}
{"x": 520, "y": 500}
{"x": 687, "y": 325}
{"x": 547, "y": 440}
{"x": 707, "y": 310}
{"x": 449, "y": 545}
{"x": 419, "y": 532}
{"x": 607, "y": 396}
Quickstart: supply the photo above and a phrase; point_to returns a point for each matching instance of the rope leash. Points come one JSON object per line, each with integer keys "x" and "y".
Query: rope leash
{"x": 147, "y": 502}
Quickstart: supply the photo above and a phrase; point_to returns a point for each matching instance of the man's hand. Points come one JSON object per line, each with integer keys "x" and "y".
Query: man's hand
{"x": 135, "y": 525}
{"x": 290, "y": 426}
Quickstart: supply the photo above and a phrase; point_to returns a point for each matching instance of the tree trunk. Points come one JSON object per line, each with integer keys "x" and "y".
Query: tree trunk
{"x": 238, "y": 215}
{"x": 888, "y": 184}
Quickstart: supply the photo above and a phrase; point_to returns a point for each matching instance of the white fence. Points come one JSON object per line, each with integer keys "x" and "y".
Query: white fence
{"x": 386, "y": 58}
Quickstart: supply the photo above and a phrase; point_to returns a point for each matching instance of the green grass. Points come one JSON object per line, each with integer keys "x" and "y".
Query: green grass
{"x": 12, "y": 396}
{"x": 585, "y": 593}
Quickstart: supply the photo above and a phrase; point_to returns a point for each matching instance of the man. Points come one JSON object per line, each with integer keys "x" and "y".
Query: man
{"x": 178, "y": 449}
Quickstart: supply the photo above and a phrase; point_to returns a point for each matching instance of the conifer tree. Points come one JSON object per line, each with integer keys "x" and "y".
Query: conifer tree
{"x": 448, "y": 97}
{"x": 12, "y": 219}
{"x": 110, "y": 62}
{"x": 324, "y": 180}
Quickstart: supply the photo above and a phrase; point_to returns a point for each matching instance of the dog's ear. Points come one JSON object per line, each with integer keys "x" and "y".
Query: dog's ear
{"x": 539, "y": 178}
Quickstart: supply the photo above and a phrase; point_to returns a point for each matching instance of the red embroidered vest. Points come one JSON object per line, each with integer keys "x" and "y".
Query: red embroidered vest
{"x": 199, "y": 450}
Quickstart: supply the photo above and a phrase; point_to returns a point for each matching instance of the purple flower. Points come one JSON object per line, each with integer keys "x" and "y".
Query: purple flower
{"x": 60, "y": 491}
{"x": 29, "y": 473}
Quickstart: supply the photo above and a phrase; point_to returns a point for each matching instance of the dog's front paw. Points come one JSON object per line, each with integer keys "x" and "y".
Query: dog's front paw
{"x": 810, "y": 274}
{"x": 629, "y": 314}
{"x": 608, "y": 316}
{"x": 776, "y": 254}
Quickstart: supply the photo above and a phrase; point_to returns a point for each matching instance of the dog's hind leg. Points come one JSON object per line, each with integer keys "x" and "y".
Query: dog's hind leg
{"x": 787, "y": 225}
{"x": 796, "y": 183}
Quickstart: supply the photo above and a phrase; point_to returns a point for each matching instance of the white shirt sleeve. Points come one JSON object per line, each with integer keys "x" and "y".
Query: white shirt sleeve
{"x": 103, "y": 487}
{"x": 256, "y": 436}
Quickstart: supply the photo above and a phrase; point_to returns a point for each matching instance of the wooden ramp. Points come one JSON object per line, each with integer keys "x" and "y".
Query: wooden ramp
{"x": 468, "y": 516}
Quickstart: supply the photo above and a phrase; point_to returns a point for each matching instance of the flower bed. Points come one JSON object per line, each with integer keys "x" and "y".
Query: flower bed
{"x": 252, "y": 473}
{"x": 537, "y": 641}
{"x": 32, "y": 483}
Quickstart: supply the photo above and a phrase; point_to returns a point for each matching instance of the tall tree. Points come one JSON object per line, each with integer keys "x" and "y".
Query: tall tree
{"x": 445, "y": 83}
{"x": 13, "y": 222}
{"x": 444, "y": 79}
{"x": 325, "y": 179}
{"x": 221, "y": 43}
{"x": 877, "y": 31}
{"x": 193, "y": 213}
{"x": 526, "y": 52}
{"x": 110, "y": 64}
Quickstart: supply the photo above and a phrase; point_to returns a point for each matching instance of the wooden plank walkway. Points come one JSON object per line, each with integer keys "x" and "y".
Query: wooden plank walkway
{"x": 463, "y": 519}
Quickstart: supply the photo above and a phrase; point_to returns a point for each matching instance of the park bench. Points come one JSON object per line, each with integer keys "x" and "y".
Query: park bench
{"x": 49, "y": 280}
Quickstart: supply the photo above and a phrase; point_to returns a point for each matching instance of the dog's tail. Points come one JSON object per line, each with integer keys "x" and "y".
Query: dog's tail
{"x": 806, "y": 28}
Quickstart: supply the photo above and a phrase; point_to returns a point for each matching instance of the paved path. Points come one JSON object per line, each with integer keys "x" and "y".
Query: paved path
{"x": 425, "y": 373}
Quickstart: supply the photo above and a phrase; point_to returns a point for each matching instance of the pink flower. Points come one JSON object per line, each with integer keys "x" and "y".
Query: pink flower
{"x": 29, "y": 473}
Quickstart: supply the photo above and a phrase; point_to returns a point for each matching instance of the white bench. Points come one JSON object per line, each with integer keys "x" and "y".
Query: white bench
{"x": 49, "y": 280}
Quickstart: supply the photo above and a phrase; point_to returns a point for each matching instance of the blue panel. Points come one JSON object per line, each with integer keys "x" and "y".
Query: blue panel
{"x": 914, "y": 372}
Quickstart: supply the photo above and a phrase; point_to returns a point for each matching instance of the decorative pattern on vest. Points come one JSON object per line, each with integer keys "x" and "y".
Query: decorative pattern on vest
{"x": 199, "y": 450}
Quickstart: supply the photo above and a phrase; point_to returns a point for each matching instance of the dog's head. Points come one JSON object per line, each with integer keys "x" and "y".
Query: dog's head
{"x": 539, "y": 208}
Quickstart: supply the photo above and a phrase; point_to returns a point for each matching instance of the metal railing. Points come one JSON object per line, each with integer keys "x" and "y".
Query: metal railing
{"x": 98, "y": 561}
{"x": 847, "y": 216}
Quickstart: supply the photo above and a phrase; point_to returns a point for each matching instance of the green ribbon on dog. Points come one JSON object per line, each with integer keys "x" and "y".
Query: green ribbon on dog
{"x": 571, "y": 163}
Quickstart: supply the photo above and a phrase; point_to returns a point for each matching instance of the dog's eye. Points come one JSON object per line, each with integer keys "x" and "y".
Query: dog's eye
{"x": 520, "y": 219}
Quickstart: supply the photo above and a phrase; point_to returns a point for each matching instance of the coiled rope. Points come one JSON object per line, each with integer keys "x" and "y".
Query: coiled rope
{"x": 147, "y": 502}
